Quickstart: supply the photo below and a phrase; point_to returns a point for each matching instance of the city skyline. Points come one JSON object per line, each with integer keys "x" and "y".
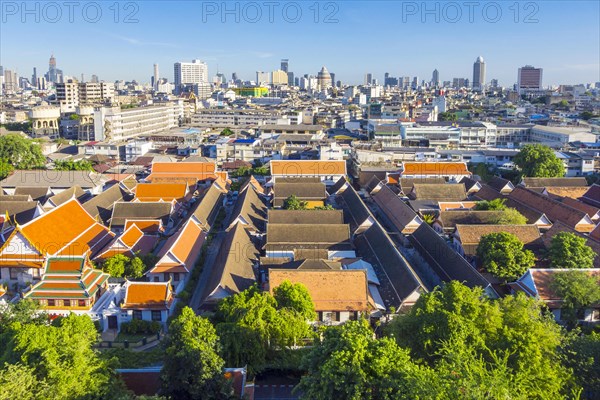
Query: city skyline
{"x": 118, "y": 47}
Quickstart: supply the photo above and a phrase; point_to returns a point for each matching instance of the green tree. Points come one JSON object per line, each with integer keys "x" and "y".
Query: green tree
{"x": 226, "y": 132}
{"x": 586, "y": 115}
{"x": 582, "y": 354}
{"x": 5, "y": 169}
{"x": 295, "y": 296}
{"x": 351, "y": 364}
{"x": 134, "y": 268}
{"x": 242, "y": 171}
{"x": 484, "y": 348}
{"x": 193, "y": 367}
{"x": 70, "y": 165}
{"x": 567, "y": 250}
{"x": 20, "y": 152}
{"x": 293, "y": 203}
{"x": 537, "y": 160}
{"x": 491, "y": 205}
{"x": 502, "y": 254}
{"x": 60, "y": 357}
{"x": 510, "y": 216}
{"x": 447, "y": 116}
{"x": 261, "y": 170}
{"x": 115, "y": 265}
{"x": 578, "y": 290}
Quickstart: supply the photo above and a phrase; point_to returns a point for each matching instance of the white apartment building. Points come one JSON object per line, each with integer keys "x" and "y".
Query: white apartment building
{"x": 235, "y": 118}
{"x": 558, "y": 136}
{"x": 115, "y": 124}
{"x": 71, "y": 93}
{"x": 136, "y": 148}
{"x": 67, "y": 95}
{"x": 194, "y": 73}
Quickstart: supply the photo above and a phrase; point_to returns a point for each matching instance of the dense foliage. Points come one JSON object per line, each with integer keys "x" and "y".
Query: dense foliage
{"x": 293, "y": 203}
{"x": 485, "y": 205}
{"x": 120, "y": 265}
{"x": 70, "y": 165}
{"x": 502, "y": 254}
{"x": 20, "y": 152}
{"x": 537, "y": 160}
{"x": 510, "y": 216}
{"x": 579, "y": 290}
{"x": 568, "y": 250}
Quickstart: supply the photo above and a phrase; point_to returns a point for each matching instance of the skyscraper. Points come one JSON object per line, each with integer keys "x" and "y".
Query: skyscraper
{"x": 368, "y": 78}
{"x": 155, "y": 77}
{"x": 285, "y": 65}
{"x": 54, "y": 75}
{"x": 435, "y": 78}
{"x": 479, "y": 74}
{"x": 324, "y": 79}
{"x": 529, "y": 78}
{"x": 34, "y": 77}
{"x": 194, "y": 73}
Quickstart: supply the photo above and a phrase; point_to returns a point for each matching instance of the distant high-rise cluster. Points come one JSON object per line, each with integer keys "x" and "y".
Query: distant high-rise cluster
{"x": 54, "y": 75}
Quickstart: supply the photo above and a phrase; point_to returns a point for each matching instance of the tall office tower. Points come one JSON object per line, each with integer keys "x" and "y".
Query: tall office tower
{"x": 332, "y": 74}
{"x": 155, "y": 77}
{"x": 323, "y": 79}
{"x": 34, "y": 77}
{"x": 234, "y": 77}
{"x": 415, "y": 82}
{"x": 11, "y": 81}
{"x": 284, "y": 65}
{"x": 263, "y": 78}
{"x": 290, "y": 78}
{"x": 435, "y": 78}
{"x": 54, "y": 75}
{"x": 529, "y": 78}
{"x": 279, "y": 77}
{"x": 368, "y": 78}
{"x": 194, "y": 73}
{"x": 405, "y": 82}
{"x": 479, "y": 74}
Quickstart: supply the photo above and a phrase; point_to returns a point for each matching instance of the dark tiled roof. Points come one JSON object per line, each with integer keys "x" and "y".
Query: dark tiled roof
{"x": 592, "y": 196}
{"x": 562, "y": 182}
{"x": 140, "y": 211}
{"x": 208, "y": 207}
{"x": 251, "y": 208}
{"x": 398, "y": 213}
{"x": 440, "y": 192}
{"x": 101, "y": 206}
{"x": 317, "y": 217}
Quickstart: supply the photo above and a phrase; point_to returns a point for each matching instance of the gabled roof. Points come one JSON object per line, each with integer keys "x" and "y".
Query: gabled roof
{"x": 406, "y": 184}
{"x": 140, "y": 211}
{"x": 20, "y": 212}
{"x": 445, "y": 262}
{"x": 592, "y": 196}
{"x": 355, "y": 208}
{"x": 317, "y": 217}
{"x": 182, "y": 172}
{"x": 131, "y": 242}
{"x": 14, "y": 197}
{"x": 250, "y": 209}
{"x": 291, "y": 236}
{"x": 384, "y": 256}
{"x": 67, "y": 230}
{"x": 546, "y": 182}
{"x": 435, "y": 169}
{"x": 307, "y": 168}
{"x": 487, "y": 193}
{"x": 471, "y": 185}
{"x": 336, "y": 187}
{"x": 574, "y": 192}
{"x": 181, "y": 250}
{"x": 456, "y": 205}
{"x": 101, "y": 206}
{"x": 150, "y": 192}
{"x": 208, "y": 207}
{"x": 344, "y": 290}
{"x": 554, "y": 209}
{"x": 233, "y": 267}
{"x": 37, "y": 193}
{"x": 75, "y": 192}
{"x": 442, "y": 192}
{"x": 147, "y": 296}
{"x": 501, "y": 185}
{"x": 591, "y": 211}
{"x": 470, "y": 235}
{"x": 449, "y": 219}
{"x": 402, "y": 217}
{"x": 304, "y": 191}
{"x": 68, "y": 278}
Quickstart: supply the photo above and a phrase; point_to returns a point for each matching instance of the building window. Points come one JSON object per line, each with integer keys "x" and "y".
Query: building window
{"x": 176, "y": 277}
{"x": 67, "y": 303}
{"x": 51, "y": 302}
{"x": 137, "y": 314}
{"x": 81, "y": 303}
{"x": 156, "y": 315}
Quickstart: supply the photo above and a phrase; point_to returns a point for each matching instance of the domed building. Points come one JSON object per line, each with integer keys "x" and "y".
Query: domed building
{"x": 324, "y": 79}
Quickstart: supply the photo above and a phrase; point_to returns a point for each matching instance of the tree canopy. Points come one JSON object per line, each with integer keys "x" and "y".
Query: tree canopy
{"x": 568, "y": 250}
{"x": 485, "y": 205}
{"x": 510, "y": 216}
{"x": 578, "y": 290}
{"x": 447, "y": 116}
{"x": 20, "y": 152}
{"x": 120, "y": 265}
{"x": 502, "y": 254}
{"x": 70, "y": 165}
{"x": 293, "y": 203}
{"x": 193, "y": 367}
{"x": 537, "y": 160}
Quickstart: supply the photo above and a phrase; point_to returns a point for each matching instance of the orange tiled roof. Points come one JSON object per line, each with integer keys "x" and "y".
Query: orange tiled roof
{"x": 307, "y": 167}
{"x": 160, "y": 191}
{"x": 148, "y": 295}
{"x": 131, "y": 236}
{"x": 145, "y": 225}
{"x": 67, "y": 229}
{"x": 435, "y": 168}
{"x": 187, "y": 167}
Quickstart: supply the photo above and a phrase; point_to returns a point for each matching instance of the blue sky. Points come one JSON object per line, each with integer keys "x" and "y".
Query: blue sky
{"x": 404, "y": 38}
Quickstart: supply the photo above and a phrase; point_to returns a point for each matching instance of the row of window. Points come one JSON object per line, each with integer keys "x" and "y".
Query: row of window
{"x": 66, "y": 303}
{"x": 156, "y": 315}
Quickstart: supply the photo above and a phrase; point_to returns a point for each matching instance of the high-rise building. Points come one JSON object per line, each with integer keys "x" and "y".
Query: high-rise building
{"x": 291, "y": 80}
{"x": 234, "y": 77}
{"x": 285, "y": 65}
{"x": 415, "y": 82}
{"x": 94, "y": 79}
{"x": 529, "y": 78}
{"x": 11, "y": 81}
{"x": 494, "y": 83}
{"x": 34, "y": 77}
{"x": 435, "y": 78}
{"x": 323, "y": 79}
{"x": 194, "y": 73}
{"x": 279, "y": 77}
{"x": 155, "y": 77}
{"x": 368, "y": 78}
{"x": 54, "y": 75}
{"x": 263, "y": 78}
{"x": 479, "y": 74}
